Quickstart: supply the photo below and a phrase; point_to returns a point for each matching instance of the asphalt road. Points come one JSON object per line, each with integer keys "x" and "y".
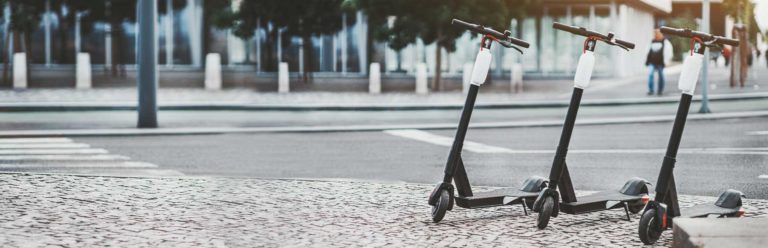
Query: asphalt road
{"x": 602, "y": 156}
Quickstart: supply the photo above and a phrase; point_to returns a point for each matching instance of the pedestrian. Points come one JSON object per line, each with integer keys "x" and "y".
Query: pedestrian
{"x": 659, "y": 55}
{"x": 766, "y": 56}
{"x": 727, "y": 55}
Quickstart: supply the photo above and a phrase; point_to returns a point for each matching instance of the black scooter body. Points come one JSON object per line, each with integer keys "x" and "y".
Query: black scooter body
{"x": 629, "y": 197}
{"x": 443, "y": 197}
{"x": 659, "y": 213}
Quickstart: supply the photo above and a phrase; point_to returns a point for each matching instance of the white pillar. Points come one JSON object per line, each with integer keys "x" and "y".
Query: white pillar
{"x": 466, "y": 77}
{"x": 374, "y": 79}
{"x": 343, "y": 38}
{"x": 196, "y": 31}
{"x": 362, "y": 41}
{"x": 19, "y": 71}
{"x": 169, "y": 33}
{"x": 516, "y": 79}
{"x": 283, "y": 82}
{"x": 108, "y": 46}
{"x": 213, "y": 71}
{"x": 83, "y": 71}
{"x": 47, "y": 23}
{"x": 421, "y": 78}
{"x": 279, "y": 46}
{"x": 257, "y": 39}
{"x": 78, "y": 47}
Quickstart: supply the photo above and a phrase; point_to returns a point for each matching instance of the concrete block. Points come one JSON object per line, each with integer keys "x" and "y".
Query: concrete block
{"x": 213, "y": 71}
{"x": 421, "y": 79}
{"x": 720, "y": 232}
{"x": 466, "y": 77}
{"x": 19, "y": 71}
{"x": 83, "y": 71}
{"x": 283, "y": 81}
{"x": 516, "y": 79}
{"x": 374, "y": 79}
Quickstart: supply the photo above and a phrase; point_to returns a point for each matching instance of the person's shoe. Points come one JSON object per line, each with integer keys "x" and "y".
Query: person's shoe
{"x": 650, "y": 93}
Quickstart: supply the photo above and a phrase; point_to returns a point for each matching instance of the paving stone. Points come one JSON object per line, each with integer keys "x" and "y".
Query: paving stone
{"x": 58, "y": 210}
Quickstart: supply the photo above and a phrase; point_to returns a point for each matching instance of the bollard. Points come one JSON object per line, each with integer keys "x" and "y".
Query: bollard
{"x": 421, "y": 79}
{"x": 213, "y": 71}
{"x": 83, "y": 71}
{"x": 374, "y": 79}
{"x": 283, "y": 81}
{"x": 19, "y": 71}
{"x": 465, "y": 80}
{"x": 517, "y": 78}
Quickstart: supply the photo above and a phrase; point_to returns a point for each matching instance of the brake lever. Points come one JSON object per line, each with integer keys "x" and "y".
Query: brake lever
{"x": 616, "y": 44}
{"x": 508, "y": 44}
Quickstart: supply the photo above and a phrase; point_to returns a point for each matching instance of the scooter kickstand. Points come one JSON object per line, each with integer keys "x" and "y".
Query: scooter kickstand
{"x": 626, "y": 211}
{"x": 525, "y": 210}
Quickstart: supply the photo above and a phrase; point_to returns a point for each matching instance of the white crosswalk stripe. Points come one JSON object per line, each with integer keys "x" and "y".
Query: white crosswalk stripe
{"x": 65, "y": 156}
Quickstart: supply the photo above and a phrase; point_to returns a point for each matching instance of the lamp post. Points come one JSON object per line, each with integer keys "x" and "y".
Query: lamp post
{"x": 147, "y": 63}
{"x": 704, "y": 82}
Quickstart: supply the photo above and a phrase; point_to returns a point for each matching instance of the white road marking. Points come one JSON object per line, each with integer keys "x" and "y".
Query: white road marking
{"x": 34, "y": 140}
{"x": 446, "y": 141}
{"x": 482, "y": 148}
{"x": 64, "y": 157}
{"x": 763, "y": 177}
{"x": 52, "y": 151}
{"x": 80, "y": 165}
{"x": 43, "y": 146}
{"x": 758, "y": 133}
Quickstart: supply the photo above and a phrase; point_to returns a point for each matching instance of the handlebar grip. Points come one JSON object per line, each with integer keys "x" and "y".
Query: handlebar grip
{"x": 627, "y": 44}
{"x": 672, "y": 31}
{"x": 462, "y": 24}
{"x": 518, "y": 42}
{"x": 728, "y": 41}
{"x": 567, "y": 28}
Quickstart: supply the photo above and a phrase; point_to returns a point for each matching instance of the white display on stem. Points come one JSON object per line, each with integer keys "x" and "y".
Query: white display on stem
{"x": 584, "y": 70}
{"x": 690, "y": 73}
{"x": 482, "y": 65}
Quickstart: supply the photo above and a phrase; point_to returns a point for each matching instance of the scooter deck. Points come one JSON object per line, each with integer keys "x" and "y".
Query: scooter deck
{"x": 496, "y": 198}
{"x": 703, "y": 210}
{"x": 603, "y": 200}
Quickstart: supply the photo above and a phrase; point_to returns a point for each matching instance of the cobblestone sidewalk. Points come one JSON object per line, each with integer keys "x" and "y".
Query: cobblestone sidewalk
{"x": 42, "y": 210}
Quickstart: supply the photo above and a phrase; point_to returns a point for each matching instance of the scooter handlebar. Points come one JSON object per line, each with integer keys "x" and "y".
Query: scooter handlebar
{"x": 488, "y": 31}
{"x": 687, "y": 33}
{"x": 589, "y": 33}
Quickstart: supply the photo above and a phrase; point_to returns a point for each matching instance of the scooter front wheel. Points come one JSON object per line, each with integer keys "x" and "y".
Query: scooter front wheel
{"x": 647, "y": 229}
{"x": 546, "y": 212}
{"x": 438, "y": 210}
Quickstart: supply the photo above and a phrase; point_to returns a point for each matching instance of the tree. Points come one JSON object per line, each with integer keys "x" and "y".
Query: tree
{"x": 24, "y": 18}
{"x": 299, "y": 18}
{"x": 430, "y": 20}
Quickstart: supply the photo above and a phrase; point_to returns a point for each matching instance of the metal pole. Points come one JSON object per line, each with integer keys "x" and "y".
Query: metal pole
{"x": 704, "y": 81}
{"x": 147, "y": 63}
{"x": 47, "y": 23}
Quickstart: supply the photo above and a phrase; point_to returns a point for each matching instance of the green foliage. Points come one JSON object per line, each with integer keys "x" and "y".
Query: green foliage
{"x": 25, "y": 15}
{"x": 679, "y": 45}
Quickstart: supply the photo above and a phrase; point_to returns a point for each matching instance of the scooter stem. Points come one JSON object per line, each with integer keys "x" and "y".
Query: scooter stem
{"x": 458, "y": 141}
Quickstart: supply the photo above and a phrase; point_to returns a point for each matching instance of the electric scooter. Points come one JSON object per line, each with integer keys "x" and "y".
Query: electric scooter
{"x": 547, "y": 203}
{"x": 658, "y": 214}
{"x": 442, "y": 197}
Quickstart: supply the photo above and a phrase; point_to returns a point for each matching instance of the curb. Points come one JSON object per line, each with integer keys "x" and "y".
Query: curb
{"x": 186, "y": 106}
{"x": 360, "y": 128}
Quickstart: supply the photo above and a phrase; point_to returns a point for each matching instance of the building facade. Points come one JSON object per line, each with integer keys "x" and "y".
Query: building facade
{"x": 182, "y": 42}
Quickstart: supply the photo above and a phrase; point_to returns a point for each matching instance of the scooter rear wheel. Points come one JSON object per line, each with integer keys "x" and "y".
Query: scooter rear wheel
{"x": 546, "y": 212}
{"x": 647, "y": 231}
{"x": 438, "y": 210}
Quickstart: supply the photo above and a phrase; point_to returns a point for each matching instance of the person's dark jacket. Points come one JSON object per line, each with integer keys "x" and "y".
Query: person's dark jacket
{"x": 656, "y": 53}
